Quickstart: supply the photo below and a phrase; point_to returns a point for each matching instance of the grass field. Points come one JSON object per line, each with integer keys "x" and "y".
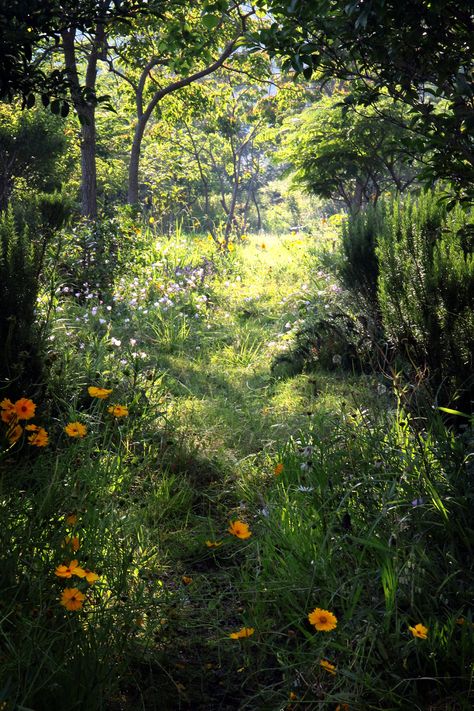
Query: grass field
{"x": 354, "y": 509}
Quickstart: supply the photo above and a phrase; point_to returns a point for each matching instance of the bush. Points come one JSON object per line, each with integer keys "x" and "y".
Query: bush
{"x": 426, "y": 289}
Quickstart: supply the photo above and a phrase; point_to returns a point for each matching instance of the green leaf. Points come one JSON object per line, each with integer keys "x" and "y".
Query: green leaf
{"x": 210, "y": 21}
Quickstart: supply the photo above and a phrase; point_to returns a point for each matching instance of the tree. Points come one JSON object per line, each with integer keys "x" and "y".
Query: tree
{"x": 184, "y": 46}
{"x": 31, "y": 142}
{"x": 353, "y": 155}
{"x": 419, "y": 51}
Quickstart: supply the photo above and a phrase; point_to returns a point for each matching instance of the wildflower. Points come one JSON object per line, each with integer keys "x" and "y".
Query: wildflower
{"x": 342, "y": 707}
{"x": 293, "y": 696}
{"x": 323, "y": 620}
{"x": 239, "y": 529}
{"x": 67, "y": 571}
{"x": 186, "y": 580}
{"x": 75, "y": 429}
{"x": 14, "y": 433}
{"x": 25, "y": 409}
{"x": 118, "y": 410}
{"x": 90, "y": 576}
{"x": 213, "y": 544}
{"x": 71, "y": 519}
{"x": 328, "y": 666}
{"x": 72, "y": 599}
{"x": 39, "y": 438}
{"x": 73, "y": 542}
{"x": 278, "y": 468}
{"x": 419, "y": 630}
{"x": 100, "y": 393}
{"x": 263, "y": 245}
{"x": 151, "y": 220}
{"x": 244, "y": 632}
{"x": 8, "y": 411}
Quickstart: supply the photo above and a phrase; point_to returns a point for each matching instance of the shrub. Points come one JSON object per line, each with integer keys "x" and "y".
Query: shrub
{"x": 426, "y": 289}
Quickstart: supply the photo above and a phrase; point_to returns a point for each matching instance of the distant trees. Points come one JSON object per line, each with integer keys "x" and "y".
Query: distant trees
{"x": 352, "y": 154}
{"x": 421, "y": 53}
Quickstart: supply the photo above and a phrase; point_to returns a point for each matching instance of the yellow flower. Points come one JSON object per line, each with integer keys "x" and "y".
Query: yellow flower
{"x": 91, "y": 577}
{"x": 72, "y": 599}
{"x": 14, "y": 433}
{"x": 151, "y": 220}
{"x": 100, "y": 393}
{"x": 186, "y": 580}
{"x": 25, "y": 409}
{"x": 75, "y": 429}
{"x": 118, "y": 410}
{"x": 278, "y": 469}
{"x": 39, "y": 438}
{"x": 239, "y": 529}
{"x": 323, "y": 620}
{"x": 8, "y": 413}
{"x": 293, "y": 696}
{"x": 73, "y": 542}
{"x": 263, "y": 245}
{"x": 419, "y": 630}
{"x": 328, "y": 666}
{"x": 213, "y": 544}
{"x": 230, "y": 247}
{"x": 244, "y": 632}
{"x": 67, "y": 571}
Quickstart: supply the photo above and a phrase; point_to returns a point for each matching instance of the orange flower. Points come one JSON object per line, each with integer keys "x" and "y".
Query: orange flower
{"x": 8, "y": 413}
{"x": 342, "y": 707}
{"x": 71, "y": 519}
{"x": 118, "y": 410}
{"x": 419, "y": 630}
{"x": 72, "y": 599}
{"x": 239, "y": 529}
{"x": 39, "y": 438}
{"x": 328, "y": 666}
{"x": 323, "y": 620}
{"x": 91, "y": 577}
{"x": 67, "y": 571}
{"x": 100, "y": 393}
{"x": 75, "y": 429}
{"x": 244, "y": 632}
{"x": 213, "y": 544}
{"x": 25, "y": 409}
{"x": 186, "y": 580}
{"x": 278, "y": 468}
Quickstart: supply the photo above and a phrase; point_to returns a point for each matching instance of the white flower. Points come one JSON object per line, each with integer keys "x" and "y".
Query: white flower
{"x": 115, "y": 341}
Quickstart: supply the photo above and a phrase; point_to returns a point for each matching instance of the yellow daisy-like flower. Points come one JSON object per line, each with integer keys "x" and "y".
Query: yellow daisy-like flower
{"x": 25, "y": 409}
{"x": 278, "y": 469}
{"x": 100, "y": 393}
{"x": 8, "y": 413}
{"x": 151, "y": 220}
{"x": 72, "y": 599}
{"x": 239, "y": 529}
{"x": 39, "y": 438}
{"x": 75, "y": 429}
{"x": 263, "y": 245}
{"x": 328, "y": 666}
{"x": 213, "y": 544}
{"x": 67, "y": 571}
{"x": 419, "y": 631}
{"x": 323, "y": 620}
{"x": 244, "y": 632}
{"x": 118, "y": 410}
{"x": 91, "y": 577}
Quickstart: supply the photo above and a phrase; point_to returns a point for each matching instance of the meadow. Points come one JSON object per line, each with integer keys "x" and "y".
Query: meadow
{"x": 193, "y": 519}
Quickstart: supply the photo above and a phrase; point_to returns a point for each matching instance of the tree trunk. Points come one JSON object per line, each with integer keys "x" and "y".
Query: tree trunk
{"x": 135, "y": 160}
{"x": 88, "y": 163}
